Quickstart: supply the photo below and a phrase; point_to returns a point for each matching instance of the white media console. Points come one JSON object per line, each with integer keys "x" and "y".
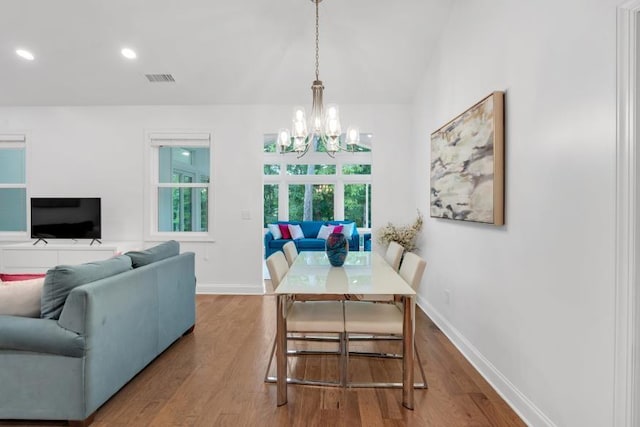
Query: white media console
{"x": 29, "y": 258}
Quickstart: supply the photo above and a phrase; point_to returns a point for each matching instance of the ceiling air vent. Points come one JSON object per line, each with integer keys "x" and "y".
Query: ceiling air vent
{"x": 160, "y": 78}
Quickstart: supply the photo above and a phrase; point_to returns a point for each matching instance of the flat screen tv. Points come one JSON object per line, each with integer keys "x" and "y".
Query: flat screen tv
{"x": 65, "y": 218}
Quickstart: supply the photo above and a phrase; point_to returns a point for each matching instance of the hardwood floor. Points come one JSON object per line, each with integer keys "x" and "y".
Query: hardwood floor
{"x": 214, "y": 377}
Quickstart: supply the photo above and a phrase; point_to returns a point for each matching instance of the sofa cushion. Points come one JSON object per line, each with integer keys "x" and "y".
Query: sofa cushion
{"x": 307, "y": 244}
{"x": 278, "y": 244}
{"x": 156, "y": 253}
{"x": 275, "y": 231}
{"x": 296, "y": 232}
{"x": 349, "y": 227}
{"x": 311, "y": 228}
{"x": 62, "y": 279}
{"x": 39, "y": 336}
{"x": 19, "y": 277}
{"x": 21, "y": 298}
{"x": 324, "y": 232}
{"x": 284, "y": 231}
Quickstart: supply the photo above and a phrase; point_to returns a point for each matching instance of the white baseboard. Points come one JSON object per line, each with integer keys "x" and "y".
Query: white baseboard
{"x": 206, "y": 288}
{"x": 526, "y": 409}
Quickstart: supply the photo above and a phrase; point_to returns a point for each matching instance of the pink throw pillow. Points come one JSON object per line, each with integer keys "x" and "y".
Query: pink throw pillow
{"x": 19, "y": 277}
{"x": 337, "y": 229}
{"x": 284, "y": 230}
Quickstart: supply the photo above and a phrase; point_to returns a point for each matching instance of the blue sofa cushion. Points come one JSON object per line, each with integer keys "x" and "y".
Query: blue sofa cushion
{"x": 308, "y": 244}
{"x": 311, "y": 228}
{"x": 39, "y": 336}
{"x": 156, "y": 253}
{"x": 278, "y": 244}
{"x": 62, "y": 279}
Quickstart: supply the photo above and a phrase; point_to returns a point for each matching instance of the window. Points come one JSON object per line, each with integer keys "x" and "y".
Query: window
{"x": 13, "y": 185}
{"x": 180, "y": 193}
{"x": 317, "y": 187}
{"x": 270, "y": 203}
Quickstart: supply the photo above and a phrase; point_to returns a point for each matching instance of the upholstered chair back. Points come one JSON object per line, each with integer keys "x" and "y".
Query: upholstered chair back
{"x": 278, "y": 267}
{"x": 412, "y": 269}
{"x": 394, "y": 255}
{"x": 290, "y": 252}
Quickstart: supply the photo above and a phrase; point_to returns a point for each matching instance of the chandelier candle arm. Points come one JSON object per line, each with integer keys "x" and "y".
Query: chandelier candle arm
{"x": 325, "y": 127}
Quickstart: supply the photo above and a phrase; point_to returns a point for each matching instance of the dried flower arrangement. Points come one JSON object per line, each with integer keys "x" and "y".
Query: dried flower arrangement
{"x": 404, "y": 235}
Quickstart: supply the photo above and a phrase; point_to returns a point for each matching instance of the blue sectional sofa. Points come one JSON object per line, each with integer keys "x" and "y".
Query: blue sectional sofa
{"x": 310, "y": 241}
{"x": 128, "y": 311}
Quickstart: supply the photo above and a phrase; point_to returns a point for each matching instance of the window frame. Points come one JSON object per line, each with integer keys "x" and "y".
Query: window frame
{"x": 339, "y": 180}
{"x": 17, "y": 140}
{"x": 154, "y": 140}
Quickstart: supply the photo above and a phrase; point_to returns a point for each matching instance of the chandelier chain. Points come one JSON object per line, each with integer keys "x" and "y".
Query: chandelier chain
{"x": 317, "y": 43}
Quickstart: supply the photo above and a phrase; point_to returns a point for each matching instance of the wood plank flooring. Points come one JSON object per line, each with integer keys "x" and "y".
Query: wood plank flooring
{"x": 214, "y": 377}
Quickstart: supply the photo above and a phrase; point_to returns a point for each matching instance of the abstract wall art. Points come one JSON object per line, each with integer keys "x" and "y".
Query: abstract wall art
{"x": 467, "y": 164}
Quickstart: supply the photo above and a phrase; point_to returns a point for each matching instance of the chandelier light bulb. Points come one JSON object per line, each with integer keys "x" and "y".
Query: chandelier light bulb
{"x": 298, "y": 114}
{"x": 284, "y": 138}
{"x": 332, "y": 112}
{"x": 353, "y": 135}
{"x": 300, "y": 129}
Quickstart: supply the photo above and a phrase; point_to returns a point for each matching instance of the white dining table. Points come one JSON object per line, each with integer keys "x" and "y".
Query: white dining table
{"x": 363, "y": 273}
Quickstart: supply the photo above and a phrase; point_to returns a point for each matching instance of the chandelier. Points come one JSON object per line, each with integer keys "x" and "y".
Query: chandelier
{"x": 323, "y": 125}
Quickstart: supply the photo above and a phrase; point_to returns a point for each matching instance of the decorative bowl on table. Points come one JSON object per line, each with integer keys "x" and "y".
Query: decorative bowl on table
{"x": 337, "y": 248}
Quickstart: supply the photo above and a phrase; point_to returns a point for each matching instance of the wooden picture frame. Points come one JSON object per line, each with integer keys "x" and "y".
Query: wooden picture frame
{"x": 467, "y": 164}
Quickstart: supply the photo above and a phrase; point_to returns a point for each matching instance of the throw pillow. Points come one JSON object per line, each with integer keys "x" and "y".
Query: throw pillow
{"x": 325, "y": 230}
{"x": 21, "y": 298}
{"x": 275, "y": 231}
{"x": 61, "y": 280}
{"x": 296, "y": 231}
{"x": 347, "y": 229}
{"x": 337, "y": 229}
{"x": 284, "y": 230}
{"x": 19, "y": 277}
{"x": 156, "y": 253}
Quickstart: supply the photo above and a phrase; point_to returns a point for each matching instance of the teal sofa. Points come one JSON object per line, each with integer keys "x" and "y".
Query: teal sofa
{"x": 310, "y": 241}
{"x": 107, "y": 331}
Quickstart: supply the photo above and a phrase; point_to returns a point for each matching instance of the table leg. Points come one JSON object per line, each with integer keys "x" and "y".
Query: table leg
{"x": 281, "y": 350}
{"x": 407, "y": 356}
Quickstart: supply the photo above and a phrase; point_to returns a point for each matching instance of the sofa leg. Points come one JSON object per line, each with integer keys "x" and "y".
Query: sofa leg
{"x": 188, "y": 331}
{"x": 82, "y": 423}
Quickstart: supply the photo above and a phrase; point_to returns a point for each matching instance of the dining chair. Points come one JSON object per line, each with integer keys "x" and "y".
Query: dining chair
{"x": 308, "y": 317}
{"x": 290, "y": 252}
{"x": 365, "y": 318}
{"x": 394, "y": 255}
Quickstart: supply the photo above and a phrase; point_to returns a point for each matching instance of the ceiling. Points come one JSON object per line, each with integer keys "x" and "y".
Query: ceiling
{"x": 219, "y": 52}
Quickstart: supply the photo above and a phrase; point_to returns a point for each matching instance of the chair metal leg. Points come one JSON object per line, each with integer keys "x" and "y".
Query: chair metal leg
{"x": 290, "y": 380}
{"x": 416, "y": 384}
{"x": 344, "y": 367}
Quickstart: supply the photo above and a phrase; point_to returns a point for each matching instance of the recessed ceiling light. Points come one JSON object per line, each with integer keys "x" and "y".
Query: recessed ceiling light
{"x": 128, "y": 53}
{"x": 25, "y": 54}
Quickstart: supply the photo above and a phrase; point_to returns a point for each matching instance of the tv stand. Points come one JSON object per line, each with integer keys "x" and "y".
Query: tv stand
{"x": 95, "y": 240}
{"x": 40, "y": 238}
{"x": 19, "y": 258}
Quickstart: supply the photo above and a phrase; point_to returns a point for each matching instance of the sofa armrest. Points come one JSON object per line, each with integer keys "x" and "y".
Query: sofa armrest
{"x": 39, "y": 336}
{"x": 267, "y": 238}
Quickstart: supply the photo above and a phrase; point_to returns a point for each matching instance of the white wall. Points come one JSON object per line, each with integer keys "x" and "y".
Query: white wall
{"x": 99, "y": 151}
{"x": 532, "y": 302}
